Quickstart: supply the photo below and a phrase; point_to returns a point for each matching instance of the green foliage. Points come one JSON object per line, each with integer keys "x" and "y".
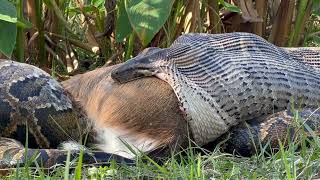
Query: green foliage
{"x": 99, "y": 12}
{"x": 312, "y": 37}
{"x": 8, "y": 28}
{"x": 230, "y": 7}
{"x": 88, "y": 8}
{"x": 316, "y": 8}
{"x": 24, "y": 24}
{"x": 95, "y": 7}
{"x": 145, "y": 17}
{"x": 98, "y": 3}
{"x": 316, "y": 39}
{"x": 8, "y": 12}
{"x": 8, "y": 33}
{"x": 123, "y": 27}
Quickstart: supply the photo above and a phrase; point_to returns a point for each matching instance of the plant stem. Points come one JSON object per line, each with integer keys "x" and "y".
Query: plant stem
{"x": 41, "y": 43}
{"x": 295, "y": 34}
{"x": 20, "y": 33}
{"x": 215, "y": 24}
{"x": 130, "y": 46}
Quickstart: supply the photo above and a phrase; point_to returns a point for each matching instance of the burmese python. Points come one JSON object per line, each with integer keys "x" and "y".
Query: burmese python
{"x": 224, "y": 79}
{"x": 29, "y": 97}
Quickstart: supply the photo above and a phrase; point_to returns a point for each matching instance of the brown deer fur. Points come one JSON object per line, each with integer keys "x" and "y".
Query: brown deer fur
{"x": 142, "y": 110}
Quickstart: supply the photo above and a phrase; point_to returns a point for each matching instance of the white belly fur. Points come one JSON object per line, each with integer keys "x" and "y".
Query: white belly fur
{"x": 115, "y": 140}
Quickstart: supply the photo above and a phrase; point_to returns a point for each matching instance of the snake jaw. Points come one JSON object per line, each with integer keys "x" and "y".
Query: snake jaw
{"x": 126, "y": 74}
{"x": 134, "y": 69}
{"x": 143, "y": 65}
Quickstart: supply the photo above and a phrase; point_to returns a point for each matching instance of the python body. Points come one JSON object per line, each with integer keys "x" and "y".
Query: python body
{"x": 224, "y": 79}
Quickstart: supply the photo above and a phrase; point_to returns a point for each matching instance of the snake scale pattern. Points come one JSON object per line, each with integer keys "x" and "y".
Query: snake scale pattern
{"x": 224, "y": 79}
{"x": 30, "y": 96}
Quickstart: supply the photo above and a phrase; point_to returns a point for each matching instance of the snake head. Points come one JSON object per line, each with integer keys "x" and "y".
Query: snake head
{"x": 145, "y": 64}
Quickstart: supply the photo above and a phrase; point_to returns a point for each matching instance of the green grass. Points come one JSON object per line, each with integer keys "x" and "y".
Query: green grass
{"x": 285, "y": 164}
{"x": 298, "y": 160}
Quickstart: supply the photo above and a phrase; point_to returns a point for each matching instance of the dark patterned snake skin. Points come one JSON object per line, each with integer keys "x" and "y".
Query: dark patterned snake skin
{"x": 222, "y": 80}
{"x": 29, "y": 97}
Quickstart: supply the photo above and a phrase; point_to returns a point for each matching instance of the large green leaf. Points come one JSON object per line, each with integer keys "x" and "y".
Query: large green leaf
{"x": 8, "y": 33}
{"x": 231, "y": 7}
{"x": 123, "y": 26}
{"x": 147, "y": 16}
{"x": 8, "y": 11}
{"x": 8, "y": 27}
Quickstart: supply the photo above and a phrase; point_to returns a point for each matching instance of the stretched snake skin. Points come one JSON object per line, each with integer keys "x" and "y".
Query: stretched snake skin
{"x": 29, "y": 97}
{"x": 224, "y": 79}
